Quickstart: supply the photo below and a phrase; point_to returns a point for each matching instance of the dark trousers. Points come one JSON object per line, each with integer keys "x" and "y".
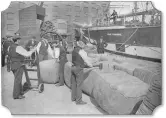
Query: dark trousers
{"x": 3, "y": 59}
{"x": 61, "y": 71}
{"x": 100, "y": 51}
{"x": 77, "y": 79}
{"x": 17, "y": 89}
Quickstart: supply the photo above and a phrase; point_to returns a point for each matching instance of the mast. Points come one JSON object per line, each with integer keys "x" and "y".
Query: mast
{"x": 135, "y": 10}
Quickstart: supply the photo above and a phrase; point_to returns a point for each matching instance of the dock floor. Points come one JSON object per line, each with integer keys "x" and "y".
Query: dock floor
{"x": 55, "y": 100}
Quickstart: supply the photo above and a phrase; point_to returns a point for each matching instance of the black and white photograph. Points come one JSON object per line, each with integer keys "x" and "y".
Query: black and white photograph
{"x": 81, "y": 58}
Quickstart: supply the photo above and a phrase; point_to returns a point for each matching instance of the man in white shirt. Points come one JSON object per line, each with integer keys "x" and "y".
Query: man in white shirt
{"x": 17, "y": 55}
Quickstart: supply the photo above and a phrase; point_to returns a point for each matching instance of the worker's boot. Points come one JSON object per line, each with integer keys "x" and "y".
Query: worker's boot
{"x": 80, "y": 102}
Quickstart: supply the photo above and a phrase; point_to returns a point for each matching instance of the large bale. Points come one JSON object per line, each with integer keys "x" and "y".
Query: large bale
{"x": 100, "y": 57}
{"x": 145, "y": 75}
{"x": 126, "y": 67}
{"x": 116, "y": 92}
{"x": 153, "y": 97}
{"x": 49, "y": 71}
{"x": 90, "y": 49}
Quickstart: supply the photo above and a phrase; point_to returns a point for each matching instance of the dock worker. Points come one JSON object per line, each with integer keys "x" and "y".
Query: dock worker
{"x": 101, "y": 45}
{"x": 61, "y": 57}
{"x": 7, "y": 43}
{"x": 44, "y": 50}
{"x": 3, "y": 51}
{"x": 80, "y": 61}
{"x": 17, "y": 54}
{"x": 114, "y": 16}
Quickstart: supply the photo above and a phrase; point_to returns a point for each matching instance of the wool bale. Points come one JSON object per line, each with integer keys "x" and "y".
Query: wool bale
{"x": 153, "y": 97}
{"x": 126, "y": 67}
{"x": 100, "y": 57}
{"x": 49, "y": 71}
{"x": 103, "y": 57}
{"x": 116, "y": 92}
{"x": 145, "y": 75}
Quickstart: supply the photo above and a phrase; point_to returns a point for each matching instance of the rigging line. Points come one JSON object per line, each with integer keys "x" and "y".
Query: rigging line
{"x": 128, "y": 38}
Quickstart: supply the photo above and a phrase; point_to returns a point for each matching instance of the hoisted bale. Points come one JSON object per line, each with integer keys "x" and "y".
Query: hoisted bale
{"x": 49, "y": 71}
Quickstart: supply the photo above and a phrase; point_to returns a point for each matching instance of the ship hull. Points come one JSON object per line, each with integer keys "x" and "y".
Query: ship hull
{"x": 143, "y": 43}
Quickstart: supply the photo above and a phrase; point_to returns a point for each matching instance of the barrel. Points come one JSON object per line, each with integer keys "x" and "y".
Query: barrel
{"x": 49, "y": 71}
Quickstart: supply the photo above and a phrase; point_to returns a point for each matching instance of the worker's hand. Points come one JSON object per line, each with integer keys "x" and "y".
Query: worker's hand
{"x": 38, "y": 46}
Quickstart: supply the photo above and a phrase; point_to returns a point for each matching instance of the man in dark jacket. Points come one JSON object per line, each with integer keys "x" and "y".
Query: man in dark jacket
{"x": 6, "y": 44}
{"x": 114, "y": 15}
{"x": 61, "y": 57}
{"x": 80, "y": 61}
{"x": 101, "y": 45}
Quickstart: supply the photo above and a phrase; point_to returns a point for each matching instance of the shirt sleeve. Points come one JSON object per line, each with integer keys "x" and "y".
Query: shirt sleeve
{"x": 38, "y": 47}
{"x": 50, "y": 51}
{"x": 20, "y": 50}
{"x": 85, "y": 57}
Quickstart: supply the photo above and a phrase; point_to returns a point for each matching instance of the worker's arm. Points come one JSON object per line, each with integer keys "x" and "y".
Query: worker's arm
{"x": 105, "y": 44}
{"x": 50, "y": 51}
{"x": 84, "y": 56}
{"x": 38, "y": 47}
{"x": 20, "y": 50}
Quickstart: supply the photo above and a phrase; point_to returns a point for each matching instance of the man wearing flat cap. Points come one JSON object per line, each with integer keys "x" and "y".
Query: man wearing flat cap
{"x": 17, "y": 54}
{"x": 80, "y": 61}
